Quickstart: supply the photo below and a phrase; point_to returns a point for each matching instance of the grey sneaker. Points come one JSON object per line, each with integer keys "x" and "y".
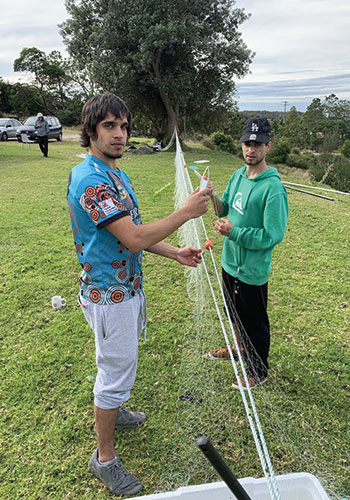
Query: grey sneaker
{"x": 118, "y": 480}
{"x": 128, "y": 419}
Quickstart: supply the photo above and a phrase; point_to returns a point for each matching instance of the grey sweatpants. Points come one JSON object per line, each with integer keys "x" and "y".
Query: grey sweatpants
{"x": 117, "y": 330}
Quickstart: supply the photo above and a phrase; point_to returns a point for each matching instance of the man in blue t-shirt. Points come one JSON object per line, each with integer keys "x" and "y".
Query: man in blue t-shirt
{"x": 109, "y": 240}
{"x": 99, "y": 195}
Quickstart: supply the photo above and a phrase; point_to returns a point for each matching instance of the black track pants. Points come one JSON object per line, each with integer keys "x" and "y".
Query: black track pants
{"x": 250, "y": 302}
{"x": 43, "y": 144}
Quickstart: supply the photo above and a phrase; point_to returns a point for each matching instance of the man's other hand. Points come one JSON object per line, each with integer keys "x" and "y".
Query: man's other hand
{"x": 223, "y": 226}
{"x": 189, "y": 256}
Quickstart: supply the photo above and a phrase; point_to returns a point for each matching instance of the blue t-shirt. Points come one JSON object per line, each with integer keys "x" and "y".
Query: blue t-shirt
{"x": 98, "y": 195}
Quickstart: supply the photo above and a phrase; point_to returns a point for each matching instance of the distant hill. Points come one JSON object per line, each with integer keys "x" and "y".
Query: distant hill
{"x": 270, "y": 115}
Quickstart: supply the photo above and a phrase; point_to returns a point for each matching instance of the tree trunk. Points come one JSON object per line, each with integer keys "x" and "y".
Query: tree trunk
{"x": 170, "y": 111}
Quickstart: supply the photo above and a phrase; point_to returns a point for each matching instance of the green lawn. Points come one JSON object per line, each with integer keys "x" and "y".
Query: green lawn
{"x": 47, "y": 356}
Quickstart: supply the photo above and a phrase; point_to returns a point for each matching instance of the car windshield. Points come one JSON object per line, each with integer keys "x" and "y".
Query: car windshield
{"x": 2, "y": 122}
{"x": 30, "y": 121}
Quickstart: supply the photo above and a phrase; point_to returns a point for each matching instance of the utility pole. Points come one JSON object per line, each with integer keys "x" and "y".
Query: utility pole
{"x": 285, "y": 109}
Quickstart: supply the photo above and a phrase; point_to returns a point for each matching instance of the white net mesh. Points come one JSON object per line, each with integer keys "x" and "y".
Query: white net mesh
{"x": 207, "y": 403}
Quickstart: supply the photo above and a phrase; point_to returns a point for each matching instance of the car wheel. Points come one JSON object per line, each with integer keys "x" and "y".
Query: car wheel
{"x": 59, "y": 137}
{"x": 4, "y": 136}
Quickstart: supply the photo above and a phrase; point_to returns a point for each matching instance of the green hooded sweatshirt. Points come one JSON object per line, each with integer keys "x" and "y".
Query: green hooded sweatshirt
{"x": 258, "y": 210}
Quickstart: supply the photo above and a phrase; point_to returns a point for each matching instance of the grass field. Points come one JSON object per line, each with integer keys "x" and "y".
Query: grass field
{"x": 47, "y": 357}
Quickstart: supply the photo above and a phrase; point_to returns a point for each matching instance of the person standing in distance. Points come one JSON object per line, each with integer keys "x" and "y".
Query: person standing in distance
{"x": 42, "y": 132}
{"x": 109, "y": 239}
{"x": 253, "y": 215}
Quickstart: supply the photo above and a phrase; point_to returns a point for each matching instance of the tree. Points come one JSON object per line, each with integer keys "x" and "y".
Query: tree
{"x": 314, "y": 115}
{"x": 19, "y": 99}
{"x": 5, "y": 93}
{"x": 49, "y": 75}
{"x": 336, "y": 109}
{"x": 58, "y": 87}
{"x": 26, "y": 100}
{"x": 294, "y": 129}
{"x": 234, "y": 125}
{"x": 166, "y": 59}
{"x": 328, "y": 122}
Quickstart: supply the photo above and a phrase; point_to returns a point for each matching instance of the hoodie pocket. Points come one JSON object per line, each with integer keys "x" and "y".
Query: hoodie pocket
{"x": 231, "y": 257}
{"x": 256, "y": 264}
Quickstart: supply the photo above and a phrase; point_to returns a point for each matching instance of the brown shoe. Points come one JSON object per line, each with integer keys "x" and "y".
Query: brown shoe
{"x": 252, "y": 381}
{"x": 221, "y": 354}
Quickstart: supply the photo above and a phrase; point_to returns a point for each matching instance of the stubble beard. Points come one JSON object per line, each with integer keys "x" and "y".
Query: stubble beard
{"x": 255, "y": 162}
{"x": 252, "y": 163}
{"x": 113, "y": 156}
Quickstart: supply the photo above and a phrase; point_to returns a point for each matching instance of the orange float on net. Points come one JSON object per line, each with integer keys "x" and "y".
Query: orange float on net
{"x": 208, "y": 244}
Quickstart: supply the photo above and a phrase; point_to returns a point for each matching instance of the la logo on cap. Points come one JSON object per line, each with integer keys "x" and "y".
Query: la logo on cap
{"x": 255, "y": 127}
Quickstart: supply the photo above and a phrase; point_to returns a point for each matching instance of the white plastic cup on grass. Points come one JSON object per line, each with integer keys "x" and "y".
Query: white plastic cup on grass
{"x": 58, "y": 302}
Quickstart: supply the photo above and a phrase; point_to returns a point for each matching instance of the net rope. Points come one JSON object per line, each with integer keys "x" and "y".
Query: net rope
{"x": 168, "y": 146}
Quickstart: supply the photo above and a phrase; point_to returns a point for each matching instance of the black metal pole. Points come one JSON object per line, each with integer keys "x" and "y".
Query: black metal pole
{"x": 221, "y": 468}
{"x": 308, "y": 192}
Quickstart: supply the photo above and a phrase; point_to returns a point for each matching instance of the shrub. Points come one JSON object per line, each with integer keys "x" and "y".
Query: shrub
{"x": 208, "y": 143}
{"x": 338, "y": 177}
{"x": 279, "y": 151}
{"x": 345, "y": 149}
{"x": 300, "y": 161}
{"x": 224, "y": 142}
{"x": 317, "y": 171}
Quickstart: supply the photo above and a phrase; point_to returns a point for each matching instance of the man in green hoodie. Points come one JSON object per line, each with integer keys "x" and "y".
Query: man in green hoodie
{"x": 253, "y": 215}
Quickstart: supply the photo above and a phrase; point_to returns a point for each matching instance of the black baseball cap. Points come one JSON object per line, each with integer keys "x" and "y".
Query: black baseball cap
{"x": 256, "y": 129}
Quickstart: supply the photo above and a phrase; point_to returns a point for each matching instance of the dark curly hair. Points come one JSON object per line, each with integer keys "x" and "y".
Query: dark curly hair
{"x": 96, "y": 110}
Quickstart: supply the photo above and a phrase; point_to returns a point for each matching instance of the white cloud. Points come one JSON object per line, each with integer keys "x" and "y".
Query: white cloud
{"x": 29, "y": 24}
{"x": 296, "y": 36}
{"x": 301, "y": 47}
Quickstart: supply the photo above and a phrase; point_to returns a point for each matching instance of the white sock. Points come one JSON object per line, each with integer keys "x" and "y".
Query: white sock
{"x": 107, "y": 463}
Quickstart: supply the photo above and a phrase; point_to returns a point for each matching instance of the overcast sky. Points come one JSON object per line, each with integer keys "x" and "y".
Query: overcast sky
{"x": 301, "y": 46}
{"x": 302, "y": 52}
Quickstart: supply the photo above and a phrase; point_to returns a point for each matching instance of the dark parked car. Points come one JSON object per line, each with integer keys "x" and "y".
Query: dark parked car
{"x": 28, "y": 128}
{"x": 8, "y": 127}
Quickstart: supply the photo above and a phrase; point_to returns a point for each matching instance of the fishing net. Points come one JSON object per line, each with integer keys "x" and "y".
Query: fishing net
{"x": 279, "y": 422}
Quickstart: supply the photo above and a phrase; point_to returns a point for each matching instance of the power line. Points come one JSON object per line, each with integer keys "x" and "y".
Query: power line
{"x": 285, "y": 109}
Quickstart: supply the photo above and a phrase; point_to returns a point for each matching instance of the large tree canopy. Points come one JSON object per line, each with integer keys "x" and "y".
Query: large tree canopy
{"x": 166, "y": 59}
{"x": 49, "y": 75}
{"x": 59, "y": 86}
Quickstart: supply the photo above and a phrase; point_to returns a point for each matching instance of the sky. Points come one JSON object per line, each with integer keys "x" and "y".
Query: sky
{"x": 302, "y": 52}
{"x": 301, "y": 47}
